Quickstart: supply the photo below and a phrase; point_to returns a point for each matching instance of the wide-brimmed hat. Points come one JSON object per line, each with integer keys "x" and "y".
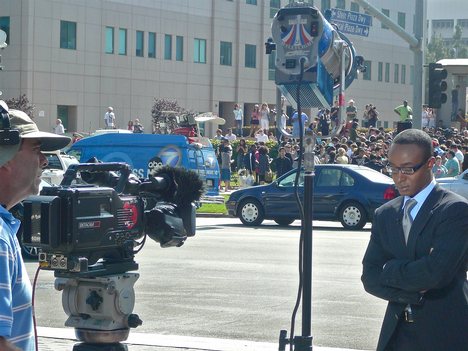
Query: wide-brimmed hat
{"x": 28, "y": 130}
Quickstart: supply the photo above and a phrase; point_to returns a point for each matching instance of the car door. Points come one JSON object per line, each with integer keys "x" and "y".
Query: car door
{"x": 281, "y": 200}
{"x": 332, "y": 184}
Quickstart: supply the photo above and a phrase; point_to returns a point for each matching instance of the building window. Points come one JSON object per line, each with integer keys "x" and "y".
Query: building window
{"x": 68, "y": 35}
{"x": 251, "y": 2}
{"x": 225, "y": 53}
{"x": 461, "y": 22}
{"x": 386, "y": 12}
{"x": 140, "y": 46}
{"x": 325, "y": 5}
{"x": 385, "y": 124}
{"x": 109, "y": 40}
{"x": 152, "y": 44}
{"x": 179, "y": 48}
{"x": 396, "y": 73}
{"x": 402, "y": 19}
{"x": 168, "y": 47}
{"x": 274, "y": 7}
{"x": 440, "y": 24}
{"x": 411, "y": 75}
{"x": 354, "y": 6}
{"x": 122, "y": 41}
{"x": 272, "y": 65}
{"x": 368, "y": 73}
{"x": 380, "y": 72}
{"x": 250, "y": 56}
{"x": 340, "y": 4}
{"x": 199, "y": 50}
{"x": 403, "y": 74}
{"x": 387, "y": 72}
{"x": 5, "y": 26}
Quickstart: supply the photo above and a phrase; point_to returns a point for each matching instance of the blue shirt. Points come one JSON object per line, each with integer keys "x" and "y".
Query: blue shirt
{"x": 16, "y": 321}
{"x": 295, "y": 123}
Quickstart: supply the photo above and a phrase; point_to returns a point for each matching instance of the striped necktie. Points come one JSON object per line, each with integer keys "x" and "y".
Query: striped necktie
{"x": 407, "y": 219}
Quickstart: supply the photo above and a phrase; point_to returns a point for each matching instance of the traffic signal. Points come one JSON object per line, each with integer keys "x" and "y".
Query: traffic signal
{"x": 437, "y": 85}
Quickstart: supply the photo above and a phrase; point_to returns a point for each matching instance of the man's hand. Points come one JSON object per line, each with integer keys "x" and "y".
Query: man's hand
{"x": 7, "y": 346}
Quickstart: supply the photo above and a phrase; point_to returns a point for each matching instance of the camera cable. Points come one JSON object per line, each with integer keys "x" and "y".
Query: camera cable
{"x": 36, "y": 342}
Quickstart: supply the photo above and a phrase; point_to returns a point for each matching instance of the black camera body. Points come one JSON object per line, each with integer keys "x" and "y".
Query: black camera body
{"x": 93, "y": 229}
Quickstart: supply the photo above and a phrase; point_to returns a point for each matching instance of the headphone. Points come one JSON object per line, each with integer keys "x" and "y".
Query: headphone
{"x": 8, "y": 136}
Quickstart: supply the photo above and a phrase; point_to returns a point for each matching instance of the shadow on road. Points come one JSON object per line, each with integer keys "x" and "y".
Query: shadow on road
{"x": 294, "y": 227}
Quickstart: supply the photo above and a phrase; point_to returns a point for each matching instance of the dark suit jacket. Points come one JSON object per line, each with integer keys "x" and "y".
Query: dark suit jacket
{"x": 435, "y": 261}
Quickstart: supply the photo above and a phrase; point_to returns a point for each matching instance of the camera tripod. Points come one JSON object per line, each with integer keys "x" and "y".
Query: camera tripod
{"x": 100, "y": 308}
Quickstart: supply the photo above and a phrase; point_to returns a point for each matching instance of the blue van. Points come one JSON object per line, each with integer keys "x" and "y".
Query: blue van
{"x": 147, "y": 152}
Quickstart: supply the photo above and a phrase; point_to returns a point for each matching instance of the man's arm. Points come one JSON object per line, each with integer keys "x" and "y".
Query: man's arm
{"x": 374, "y": 260}
{"x": 447, "y": 256}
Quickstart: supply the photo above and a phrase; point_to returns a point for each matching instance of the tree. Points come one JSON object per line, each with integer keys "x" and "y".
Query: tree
{"x": 22, "y": 104}
{"x": 439, "y": 48}
{"x": 164, "y": 113}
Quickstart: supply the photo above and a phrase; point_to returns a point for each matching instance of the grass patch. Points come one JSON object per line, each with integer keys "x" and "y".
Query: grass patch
{"x": 214, "y": 208}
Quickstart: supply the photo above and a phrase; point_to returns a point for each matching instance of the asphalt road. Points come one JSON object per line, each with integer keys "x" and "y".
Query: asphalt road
{"x": 236, "y": 282}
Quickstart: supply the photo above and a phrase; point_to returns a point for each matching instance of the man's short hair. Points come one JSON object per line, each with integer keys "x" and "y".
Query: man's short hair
{"x": 416, "y": 137}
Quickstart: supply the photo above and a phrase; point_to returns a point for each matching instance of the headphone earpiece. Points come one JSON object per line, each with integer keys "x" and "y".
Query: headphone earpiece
{"x": 8, "y": 136}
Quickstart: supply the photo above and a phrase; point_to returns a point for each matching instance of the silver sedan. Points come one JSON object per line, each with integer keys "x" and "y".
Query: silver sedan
{"x": 458, "y": 184}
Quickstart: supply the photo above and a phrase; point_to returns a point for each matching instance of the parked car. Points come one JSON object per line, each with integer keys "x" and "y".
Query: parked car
{"x": 458, "y": 184}
{"x": 346, "y": 193}
{"x": 58, "y": 164}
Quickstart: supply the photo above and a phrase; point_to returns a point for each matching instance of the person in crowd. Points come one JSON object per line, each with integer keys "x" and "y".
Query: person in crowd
{"x": 20, "y": 168}
{"x": 241, "y": 152}
{"x": 260, "y": 136}
{"x": 239, "y": 118}
{"x": 251, "y": 160}
{"x": 130, "y": 125}
{"x": 353, "y": 135}
{"x": 263, "y": 163}
{"x": 219, "y": 134}
{"x": 372, "y": 116}
{"x": 335, "y": 114}
{"x": 109, "y": 118}
{"x": 439, "y": 170}
{"x": 324, "y": 122}
{"x": 416, "y": 258}
{"x": 404, "y": 111}
{"x": 454, "y": 96}
{"x": 461, "y": 118}
{"x": 452, "y": 164}
{"x": 359, "y": 158}
{"x": 341, "y": 158}
{"x": 265, "y": 117}
{"x": 351, "y": 111}
{"x": 230, "y": 135}
{"x": 59, "y": 128}
{"x": 254, "y": 121}
{"x": 296, "y": 121}
{"x": 282, "y": 163}
{"x": 138, "y": 127}
{"x": 225, "y": 166}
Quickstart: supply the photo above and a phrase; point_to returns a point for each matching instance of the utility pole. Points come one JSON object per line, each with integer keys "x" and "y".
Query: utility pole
{"x": 415, "y": 42}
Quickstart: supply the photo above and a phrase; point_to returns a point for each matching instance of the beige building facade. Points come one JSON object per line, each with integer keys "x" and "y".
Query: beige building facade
{"x": 74, "y": 58}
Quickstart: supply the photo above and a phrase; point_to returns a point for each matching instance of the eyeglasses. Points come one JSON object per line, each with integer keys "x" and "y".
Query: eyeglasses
{"x": 407, "y": 170}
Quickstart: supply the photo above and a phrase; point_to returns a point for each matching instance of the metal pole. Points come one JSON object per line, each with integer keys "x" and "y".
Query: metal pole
{"x": 342, "y": 119}
{"x": 418, "y": 90}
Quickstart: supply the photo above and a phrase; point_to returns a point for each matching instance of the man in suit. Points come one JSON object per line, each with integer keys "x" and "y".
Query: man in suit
{"x": 422, "y": 274}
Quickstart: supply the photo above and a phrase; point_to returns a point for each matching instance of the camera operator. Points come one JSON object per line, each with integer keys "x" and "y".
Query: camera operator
{"x": 21, "y": 166}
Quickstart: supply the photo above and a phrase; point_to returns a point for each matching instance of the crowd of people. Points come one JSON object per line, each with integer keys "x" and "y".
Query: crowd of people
{"x": 368, "y": 149}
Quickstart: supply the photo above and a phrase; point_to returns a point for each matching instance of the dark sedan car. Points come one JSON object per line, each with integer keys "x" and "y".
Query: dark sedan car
{"x": 346, "y": 193}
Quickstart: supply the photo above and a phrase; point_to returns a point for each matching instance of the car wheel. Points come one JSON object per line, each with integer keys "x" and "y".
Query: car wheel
{"x": 284, "y": 221}
{"x": 353, "y": 216}
{"x": 251, "y": 212}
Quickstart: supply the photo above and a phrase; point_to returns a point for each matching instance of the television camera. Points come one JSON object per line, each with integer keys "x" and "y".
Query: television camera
{"x": 89, "y": 234}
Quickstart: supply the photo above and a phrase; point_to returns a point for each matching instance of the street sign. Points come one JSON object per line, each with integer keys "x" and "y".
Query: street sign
{"x": 352, "y": 28}
{"x": 351, "y": 17}
{"x": 351, "y": 22}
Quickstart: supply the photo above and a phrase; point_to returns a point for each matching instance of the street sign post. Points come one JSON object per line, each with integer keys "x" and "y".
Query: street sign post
{"x": 351, "y": 22}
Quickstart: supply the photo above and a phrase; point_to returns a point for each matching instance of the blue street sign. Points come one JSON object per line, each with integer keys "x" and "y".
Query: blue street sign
{"x": 352, "y": 28}
{"x": 351, "y": 17}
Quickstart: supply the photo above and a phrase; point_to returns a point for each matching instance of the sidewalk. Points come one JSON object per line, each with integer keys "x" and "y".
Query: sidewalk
{"x": 63, "y": 339}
